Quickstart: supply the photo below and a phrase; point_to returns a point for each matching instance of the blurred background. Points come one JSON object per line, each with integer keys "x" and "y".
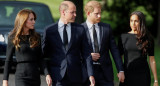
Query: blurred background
{"x": 116, "y": 13}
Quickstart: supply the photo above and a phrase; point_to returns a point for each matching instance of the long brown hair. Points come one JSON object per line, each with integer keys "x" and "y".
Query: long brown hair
{"x": 20, "y": 21}
{"x": 143, "y": 36}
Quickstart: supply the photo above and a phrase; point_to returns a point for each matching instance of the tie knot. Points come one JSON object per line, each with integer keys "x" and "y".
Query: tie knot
{"x": 93, "y": 26}
{"x": 65, "y": 25}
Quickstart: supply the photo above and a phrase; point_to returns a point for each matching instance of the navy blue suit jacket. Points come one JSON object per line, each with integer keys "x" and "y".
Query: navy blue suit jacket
{"x": 69, "y": 60}
{"x": 107, "y": 44}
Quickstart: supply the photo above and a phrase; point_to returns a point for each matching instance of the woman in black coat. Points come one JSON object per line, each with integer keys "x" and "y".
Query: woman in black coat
{"x": 26, "y": 44}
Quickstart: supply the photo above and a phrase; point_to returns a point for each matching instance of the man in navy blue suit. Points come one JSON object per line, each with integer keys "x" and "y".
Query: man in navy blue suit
{"x": 65, "y": 44}
{"x": 102, "y": 41}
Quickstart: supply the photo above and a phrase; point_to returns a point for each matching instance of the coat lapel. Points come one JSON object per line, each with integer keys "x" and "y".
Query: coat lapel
{"x": 72, "y": 37}
{"x": 58, "y": 38}
{"x": 101, "y": 34}
{"x": 88, "y": 34}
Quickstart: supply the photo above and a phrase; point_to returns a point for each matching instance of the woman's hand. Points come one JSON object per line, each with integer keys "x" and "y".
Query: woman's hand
{"x": 155, "y": 84}
{"x": 5, "y": 83}
{"x": 49, "y": 80}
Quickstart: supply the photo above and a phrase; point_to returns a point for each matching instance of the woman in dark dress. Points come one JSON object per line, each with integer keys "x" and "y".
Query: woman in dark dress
{"x": 136, "y": 45}
{"x": 26, "y": 44}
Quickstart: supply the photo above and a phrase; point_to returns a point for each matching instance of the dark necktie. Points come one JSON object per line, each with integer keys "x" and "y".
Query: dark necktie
{"x": 96, "y": 47}
{"x": 65, "y": 37}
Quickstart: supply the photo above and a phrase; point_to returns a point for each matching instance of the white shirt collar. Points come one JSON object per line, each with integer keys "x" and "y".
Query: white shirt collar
{"x": 61, "y": 24}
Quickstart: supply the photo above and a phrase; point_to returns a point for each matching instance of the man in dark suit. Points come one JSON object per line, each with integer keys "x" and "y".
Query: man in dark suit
{"x": 65, "y": 44}
{"x": 101, "y": 39}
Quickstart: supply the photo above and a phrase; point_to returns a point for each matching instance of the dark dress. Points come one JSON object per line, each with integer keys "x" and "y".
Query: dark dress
{"x": 29, "y": 61}
{"x": 136, "y": 69}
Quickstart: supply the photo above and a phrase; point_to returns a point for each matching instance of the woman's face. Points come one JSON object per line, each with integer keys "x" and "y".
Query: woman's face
{"x": 30, "y": 22}
{"x": 134, "y": 22}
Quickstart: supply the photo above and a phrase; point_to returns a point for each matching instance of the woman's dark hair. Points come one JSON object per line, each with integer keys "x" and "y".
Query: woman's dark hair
{"x": 143, "y": 36}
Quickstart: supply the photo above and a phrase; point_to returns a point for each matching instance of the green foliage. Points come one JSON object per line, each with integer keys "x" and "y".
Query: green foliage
{"x": 110, "y": 3}
{"x": 149, "y": 18}
{"x": 107, "y": 16}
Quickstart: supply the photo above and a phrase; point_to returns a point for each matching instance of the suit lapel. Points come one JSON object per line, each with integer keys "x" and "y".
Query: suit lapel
{"x": 101, "y": 28}
{"x": 72, "y": 37}
{"x": 88, "y": 34}
{"x": 58, "y": 38}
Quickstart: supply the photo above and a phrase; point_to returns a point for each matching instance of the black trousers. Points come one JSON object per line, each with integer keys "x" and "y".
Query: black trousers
{"x": 99, "y": 77}
{"x": 65, "y": 82}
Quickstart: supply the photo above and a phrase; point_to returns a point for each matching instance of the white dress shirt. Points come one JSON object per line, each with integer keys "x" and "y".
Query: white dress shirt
{"x": 90, "y": 28}
{"x": 61, "y": 28}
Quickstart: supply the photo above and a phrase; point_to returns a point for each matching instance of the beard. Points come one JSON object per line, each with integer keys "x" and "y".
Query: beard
{"x": 97, "y": 20}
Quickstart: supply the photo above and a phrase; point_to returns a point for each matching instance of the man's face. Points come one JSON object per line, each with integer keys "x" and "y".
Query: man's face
{"x": 95, "y": 16}
{"x": 70, "y": 14}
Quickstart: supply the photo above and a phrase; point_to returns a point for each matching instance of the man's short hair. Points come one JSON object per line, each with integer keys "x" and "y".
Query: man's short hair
{"x": 89, "y": 7}
{"x": 63, "y": 6}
